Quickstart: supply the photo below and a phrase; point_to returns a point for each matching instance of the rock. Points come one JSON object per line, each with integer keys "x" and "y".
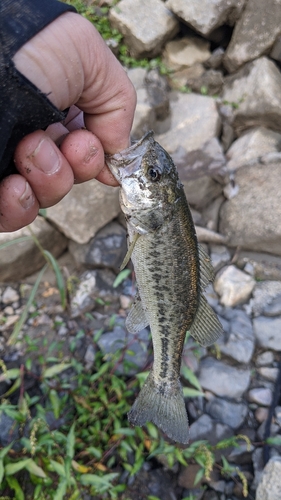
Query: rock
{"x": 92, "y": 285}
{"x": 205, "y": 428}
{"x": 157, "y": 89}
{"x": 239, "y": 343}
{"x": 233, "y": 286}
{"x": 210, "y": 214}
{"x": 206, "y": 236}
{"x": 204, "y": 17}
{"x": 144, "y": 118}
{"x": 269, "y": 487}
{"x": 227, "y": 412}
{"x": 219, "y": 256}
{"x": 9, "y": 296}
{"x": 137, "y": 344}
{"x": 85, "y": 209}
{"x": 202, "y": 191}
{"x": 187, "y": 476}
{"x": 137, "y": 77}
{"x": 265, "y": 358}
{"x": 248, "y": 224}
{"x": 268, "y": 373}
{"x": 186, "y": 52}
{"x": 266, "y": 267}
{"x": 261, "y": 414}
{"x": 89, "y": 357}
{"x": 255, "y": 102}
{"x": 242, "y": 454}
{"x": 260, "y": 395}
{"x": 209, "y": 83}
{"x": 252, "y": 38}
{"x": 251, "y": 146}
{"x": 258, "y": 464}
{"x": 268, "y": 332}
{"x": 23, "y": 258}
{"x": 194, "y": 121}
{"x": 266, "y": 298}
{"x": 278, "y": 415}
{"x": 145, "y": 24}
{"x": 106, "y": 250}
{"x": 222, "y": 379}
{"x": 216, "y": 59}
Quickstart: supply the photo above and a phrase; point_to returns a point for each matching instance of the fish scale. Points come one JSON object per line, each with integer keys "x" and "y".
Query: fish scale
{"x": 171, "y": 274}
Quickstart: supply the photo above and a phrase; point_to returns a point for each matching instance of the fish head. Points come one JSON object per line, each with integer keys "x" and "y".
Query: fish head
{"x": 147, "y": 175}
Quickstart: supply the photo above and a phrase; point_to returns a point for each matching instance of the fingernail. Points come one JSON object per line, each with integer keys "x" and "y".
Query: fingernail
{"x": 27, "y": 198}
{"x": 45, "y": 157}
{"x": 90, "y": 154}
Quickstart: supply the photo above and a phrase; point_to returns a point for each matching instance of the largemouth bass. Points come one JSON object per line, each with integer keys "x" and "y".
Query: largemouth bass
{"x": 171, "y": 273}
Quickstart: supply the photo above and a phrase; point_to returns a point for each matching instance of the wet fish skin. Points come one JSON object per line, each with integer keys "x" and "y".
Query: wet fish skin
{"x": 170, "y": 277}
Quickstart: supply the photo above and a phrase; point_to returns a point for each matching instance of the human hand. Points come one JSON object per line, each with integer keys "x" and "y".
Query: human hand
{"x": 69, "y": 62}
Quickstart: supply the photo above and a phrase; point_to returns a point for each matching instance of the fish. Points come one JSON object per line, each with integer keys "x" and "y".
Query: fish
{"x": 171, "y": 272}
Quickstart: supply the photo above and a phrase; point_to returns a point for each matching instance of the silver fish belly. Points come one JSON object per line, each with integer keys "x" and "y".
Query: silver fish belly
{"x": 171, "y": 274}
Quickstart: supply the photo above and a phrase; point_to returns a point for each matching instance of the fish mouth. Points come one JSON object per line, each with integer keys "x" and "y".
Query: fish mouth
{"x": 127, "y": 162}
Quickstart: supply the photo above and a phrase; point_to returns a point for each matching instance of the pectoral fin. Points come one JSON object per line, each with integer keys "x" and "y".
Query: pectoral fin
{"x": 129, "y": 251}
{"x": 206, "y": 328}
{"x": 136, "y": 319}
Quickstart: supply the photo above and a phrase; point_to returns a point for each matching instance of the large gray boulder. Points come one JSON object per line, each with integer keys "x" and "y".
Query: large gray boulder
{"x": 269, "y": 487}
{"x": 222, "y": 379}
{"x": 251, "y": 219}
{"x": 145, "y": 24}
{"x": 194, "y": 121}
{"x": 251, "y": 146}
{"x": 255, "y": 94}
{"x": 254, "y": 33}
{"x": 205, "y": 16}
{"x": 85, "y": 209}
{"x": 22, "y": 257}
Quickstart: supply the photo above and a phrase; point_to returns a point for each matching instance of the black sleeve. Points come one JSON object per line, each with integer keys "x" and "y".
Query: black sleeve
{"x": 23, "y": 108}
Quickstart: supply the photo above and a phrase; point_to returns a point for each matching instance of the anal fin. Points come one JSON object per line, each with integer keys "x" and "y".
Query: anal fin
{"x": 136, "y": 319}
{"x": 206, "y": 327}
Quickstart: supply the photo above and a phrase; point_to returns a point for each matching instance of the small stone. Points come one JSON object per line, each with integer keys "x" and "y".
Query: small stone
{"x": 261, "y": 414}
{"x": 227, "y": 412}
{"x": 204, "y": 17}
{"x": 268, "y": 373}
{"x": 269, "y": 487}
{"x": 185, "y": 52}
{"x": 239, "y": 341}
{"x": 260, "y": 395}
{"x": 10, "y": 295}
{"x": 145, "y": 24}
{"x": 233, "y": 286}
{"x": 83, "y": 300}
{"x": 137, "y": 344}
{"x": 125, "y": 301}
{"x": 62, "y": 331}
{"x": 278, "y": 415}
{"x": 222, "y": 379}
{"x": 187, "y": 476}
{"x": 89, "y": 357}
{"x": 219, "y": 256}
{"x": 263, "y": 296}
{"x": 10, "y": 321}
{"x": 8, "y": 310}
{"x": 268, "y": 332}
{"x": 265, "y": 358}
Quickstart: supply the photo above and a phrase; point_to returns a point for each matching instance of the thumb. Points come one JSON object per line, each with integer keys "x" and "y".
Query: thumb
{"x": 69, "y": 61}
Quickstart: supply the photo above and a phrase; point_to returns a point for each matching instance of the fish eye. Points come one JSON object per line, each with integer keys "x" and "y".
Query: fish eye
{"x": 154, "y": 174}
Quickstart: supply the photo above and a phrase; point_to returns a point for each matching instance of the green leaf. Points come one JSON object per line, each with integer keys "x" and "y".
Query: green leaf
{"x": 11, "y": 469}
{"x": 55, "y": 402}
{"x": 33, "y": 468}
{"x": 192, "y": 393}
{"x": 1, "y": 470}
{"x": 12, "y": 389}
{"x": 9, "y": 374}
{"x": 6, "y": 450}
{"x": 121, "y": 277}
{"x": 13, "y": 483}
{"x": 199, "y": 476}
{"x": 58, "y": 468}
{"x": 19, "y": 324}
{"x": 94, "y": 480}
{"x": 125, "y": 431}
{"x": 55, "y": 370}
{"x": 152, "y": 430}
{"x": 70, "y": 443}
{"x": 274, "y": 440}
{"x": 15, "y": 241}
{"x": 59, "y": 277}
{"x": 188, "y": 374}
{"x": 61, "y": 490}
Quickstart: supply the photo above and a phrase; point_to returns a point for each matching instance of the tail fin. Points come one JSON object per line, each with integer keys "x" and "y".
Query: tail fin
{"x": 165, "y": 408}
